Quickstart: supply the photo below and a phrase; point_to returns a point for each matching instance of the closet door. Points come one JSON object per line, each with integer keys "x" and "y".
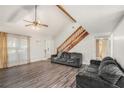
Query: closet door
{"x": 17, "y": 50}
{"x": 48, "y": 48}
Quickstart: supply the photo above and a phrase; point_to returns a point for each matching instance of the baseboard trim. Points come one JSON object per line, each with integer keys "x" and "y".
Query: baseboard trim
{"x": 25, "y": 64}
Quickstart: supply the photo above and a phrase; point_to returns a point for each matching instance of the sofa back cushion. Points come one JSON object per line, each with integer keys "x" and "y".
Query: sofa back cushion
{"x": 107, "y": 58}
{"x": 74, "y": 55}
{"x": 109, "y": 71}
{"x": 105, "y": 62}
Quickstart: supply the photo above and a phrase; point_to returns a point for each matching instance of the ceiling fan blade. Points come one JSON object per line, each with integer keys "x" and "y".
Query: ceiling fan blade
{"x": 29, "y": 25}
{"x": 44, "y": 25}
{"x": 28, "y": 21}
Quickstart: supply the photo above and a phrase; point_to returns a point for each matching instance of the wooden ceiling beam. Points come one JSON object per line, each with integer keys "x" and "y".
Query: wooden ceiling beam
{"x": 65, "y": 12}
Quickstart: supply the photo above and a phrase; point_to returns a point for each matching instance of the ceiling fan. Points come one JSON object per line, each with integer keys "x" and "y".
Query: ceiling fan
{"x": 36, "y": 23}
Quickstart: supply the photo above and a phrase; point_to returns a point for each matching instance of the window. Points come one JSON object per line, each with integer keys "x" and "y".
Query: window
{"x": 18, "y": 49}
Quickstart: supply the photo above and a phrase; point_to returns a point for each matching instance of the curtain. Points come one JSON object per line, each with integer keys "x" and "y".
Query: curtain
{"x": 3, "y": 50}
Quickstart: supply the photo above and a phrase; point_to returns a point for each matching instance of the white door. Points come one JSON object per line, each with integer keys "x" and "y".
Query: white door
{"x": 48, "y": 48}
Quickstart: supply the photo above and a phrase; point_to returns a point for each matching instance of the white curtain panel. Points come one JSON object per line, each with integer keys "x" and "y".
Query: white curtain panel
{"x": 17, "y": 50}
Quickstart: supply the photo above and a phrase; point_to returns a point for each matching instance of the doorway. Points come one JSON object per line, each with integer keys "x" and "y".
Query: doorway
{"x": 103, "y": 46}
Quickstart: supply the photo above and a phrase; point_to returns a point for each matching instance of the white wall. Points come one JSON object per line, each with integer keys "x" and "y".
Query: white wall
{"x": 87, "y": 48}
{"x": 118, "y": 43}
{"x": 37, "y": 46}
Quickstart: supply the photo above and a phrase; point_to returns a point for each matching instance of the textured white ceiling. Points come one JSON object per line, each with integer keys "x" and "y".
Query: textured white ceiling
{"x": 96, "y": 19}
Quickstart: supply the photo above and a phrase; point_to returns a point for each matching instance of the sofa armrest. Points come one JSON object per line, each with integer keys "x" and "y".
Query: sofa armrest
{"x": 95, "y": 62}
{"x": 53, "y": 56}
{"x": 78, "y": 61}
{"x": 85, "y": 81}
{"x": 120, "y": 82}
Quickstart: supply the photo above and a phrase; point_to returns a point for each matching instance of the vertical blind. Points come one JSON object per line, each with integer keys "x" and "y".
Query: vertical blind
{"x": 18, "y": 49}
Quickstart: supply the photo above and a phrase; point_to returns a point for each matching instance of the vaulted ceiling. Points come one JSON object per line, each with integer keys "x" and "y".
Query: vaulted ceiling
{"x": 96, "y": 19}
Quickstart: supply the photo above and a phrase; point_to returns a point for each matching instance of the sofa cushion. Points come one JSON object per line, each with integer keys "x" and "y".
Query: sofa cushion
{"x": 89, "y": 69}
{"x": 110, "y": 66}
{"x": 109, "y": 71}
{"x": 62, "y": 60}
{"x": 106, "y": 61}
{"x": 70, "y": 60}
{"x": 92, "y": 81}
{"x": 73, "y": 55}
{"x": 111, "y": 78}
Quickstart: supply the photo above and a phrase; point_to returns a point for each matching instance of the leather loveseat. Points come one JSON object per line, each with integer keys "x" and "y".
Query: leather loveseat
{"x": 67, "y": 58}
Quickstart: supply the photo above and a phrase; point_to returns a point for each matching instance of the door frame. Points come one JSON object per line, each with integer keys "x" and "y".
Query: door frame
{"x": 103, "y": 37}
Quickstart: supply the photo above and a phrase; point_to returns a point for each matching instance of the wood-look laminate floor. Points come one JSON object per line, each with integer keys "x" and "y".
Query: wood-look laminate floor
{"x": 39, "y": 74}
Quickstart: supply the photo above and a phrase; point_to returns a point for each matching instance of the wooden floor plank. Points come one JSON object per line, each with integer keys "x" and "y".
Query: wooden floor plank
{"x": 42, "y": 74}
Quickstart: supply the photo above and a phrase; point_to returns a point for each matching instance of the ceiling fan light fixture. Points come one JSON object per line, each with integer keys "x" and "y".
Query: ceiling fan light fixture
{"x": 36, "y": 23}
{"x": 35, "y": 27}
